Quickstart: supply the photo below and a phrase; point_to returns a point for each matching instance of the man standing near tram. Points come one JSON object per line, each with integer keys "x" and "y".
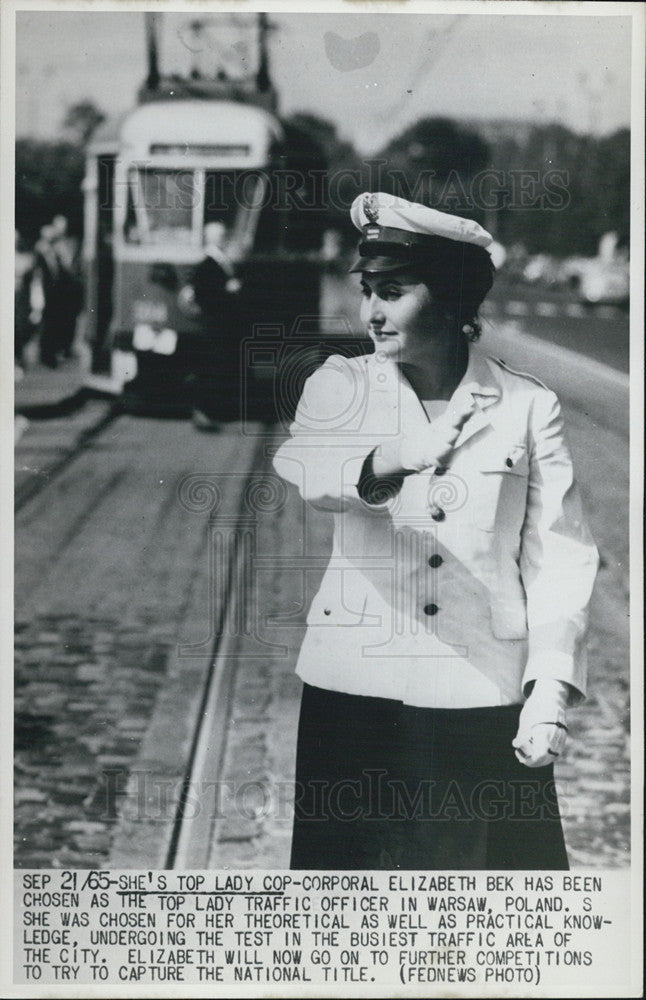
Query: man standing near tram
{"x": 216, "y": 291}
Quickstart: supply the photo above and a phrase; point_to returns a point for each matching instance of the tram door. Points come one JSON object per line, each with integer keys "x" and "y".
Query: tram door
{"x": 98, "y": 254}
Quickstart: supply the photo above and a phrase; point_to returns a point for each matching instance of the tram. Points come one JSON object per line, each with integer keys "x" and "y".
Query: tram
{"x": 197, "y": 151}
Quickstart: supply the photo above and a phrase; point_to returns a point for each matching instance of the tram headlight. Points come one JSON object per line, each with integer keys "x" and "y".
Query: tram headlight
{"x": 165, "y": 342}
{"x": 145, "y": 338}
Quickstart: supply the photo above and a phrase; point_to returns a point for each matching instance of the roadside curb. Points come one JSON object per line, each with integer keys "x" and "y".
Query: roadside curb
{"x": 600, "y": 392}
{"x": 566, "y": 356}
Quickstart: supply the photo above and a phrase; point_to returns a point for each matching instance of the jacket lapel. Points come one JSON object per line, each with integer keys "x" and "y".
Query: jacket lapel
{"x": 480, "y": 381}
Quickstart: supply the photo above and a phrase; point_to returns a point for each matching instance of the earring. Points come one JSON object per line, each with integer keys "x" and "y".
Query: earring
{"x": 472, "y": 330}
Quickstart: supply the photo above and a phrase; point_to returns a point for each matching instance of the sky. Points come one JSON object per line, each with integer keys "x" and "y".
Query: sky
{"x": 371, "y": 74}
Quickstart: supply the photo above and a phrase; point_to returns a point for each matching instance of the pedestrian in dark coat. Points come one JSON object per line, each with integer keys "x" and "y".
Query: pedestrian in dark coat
{"x": 69, "y": 288}
{"x": 217, "y": 375}
{"x": 54, "y": 306}
{"x": 24, "y": 325}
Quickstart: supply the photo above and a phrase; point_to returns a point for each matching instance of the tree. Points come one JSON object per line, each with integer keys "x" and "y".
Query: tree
{"x": 344, "y": 168}
{"x": 48, "y": 183}
{"x": 593, "y": 194}
{"x": 433, "y": 161}
{"x": 324, "y": 132}
{"x": 81, "y": 120}
{"x": 614, "y": 184}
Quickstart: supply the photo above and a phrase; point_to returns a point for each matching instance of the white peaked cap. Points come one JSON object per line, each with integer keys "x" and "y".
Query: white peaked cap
{"x": 390, "y": 212}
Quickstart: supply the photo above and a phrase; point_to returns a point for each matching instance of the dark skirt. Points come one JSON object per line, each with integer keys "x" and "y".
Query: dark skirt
{"x": 382, "y": 785}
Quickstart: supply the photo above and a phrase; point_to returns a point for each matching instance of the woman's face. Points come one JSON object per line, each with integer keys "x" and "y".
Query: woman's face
{"x": 402, "y": 319}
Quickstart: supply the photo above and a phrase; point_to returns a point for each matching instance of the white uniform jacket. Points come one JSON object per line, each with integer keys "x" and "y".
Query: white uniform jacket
{"x": 464, "y": 587}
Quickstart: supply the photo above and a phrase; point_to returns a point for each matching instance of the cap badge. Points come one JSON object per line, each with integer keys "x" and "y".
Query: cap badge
{"x": 370, "y": 207}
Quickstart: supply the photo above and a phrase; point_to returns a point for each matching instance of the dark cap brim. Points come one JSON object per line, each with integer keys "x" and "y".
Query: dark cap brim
{"x": 375, "y": 265}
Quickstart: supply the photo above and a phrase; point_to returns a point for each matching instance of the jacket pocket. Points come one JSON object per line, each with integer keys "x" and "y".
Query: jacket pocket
{"x": 509, "y": 618}
{"x": 501, "y": 490}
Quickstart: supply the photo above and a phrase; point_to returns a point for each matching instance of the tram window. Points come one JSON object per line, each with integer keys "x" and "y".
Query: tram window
{"x": 220, "y": 197}
{"x": 160, "y": 206}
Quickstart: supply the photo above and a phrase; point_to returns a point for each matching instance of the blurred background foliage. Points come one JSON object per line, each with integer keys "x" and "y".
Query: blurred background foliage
{"x": 48, "y": 183}
{"x": 436, "y": 160}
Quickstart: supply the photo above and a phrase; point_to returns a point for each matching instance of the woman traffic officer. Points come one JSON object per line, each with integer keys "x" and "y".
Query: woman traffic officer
{"x": 446, "y": 641}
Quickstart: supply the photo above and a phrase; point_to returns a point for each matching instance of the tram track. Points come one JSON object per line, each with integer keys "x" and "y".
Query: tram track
{"x": 31, "y": 488}
{"x": 194, "y": 829}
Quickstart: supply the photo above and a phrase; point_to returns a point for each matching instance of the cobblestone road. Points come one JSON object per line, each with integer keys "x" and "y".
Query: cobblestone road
{"x": 108, "y": 559}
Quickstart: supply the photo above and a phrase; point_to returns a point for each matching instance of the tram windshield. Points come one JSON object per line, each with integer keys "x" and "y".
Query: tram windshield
{"x": 170, "y": 206}
{"x": 160, "y": 206}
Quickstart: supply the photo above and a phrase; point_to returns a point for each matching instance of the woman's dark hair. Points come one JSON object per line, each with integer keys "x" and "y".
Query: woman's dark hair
{"x": 459, "y": 276}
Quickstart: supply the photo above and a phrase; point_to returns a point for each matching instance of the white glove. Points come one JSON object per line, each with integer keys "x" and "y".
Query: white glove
{"x": 542, "y": 732}
{"x": 434, "y": 445}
